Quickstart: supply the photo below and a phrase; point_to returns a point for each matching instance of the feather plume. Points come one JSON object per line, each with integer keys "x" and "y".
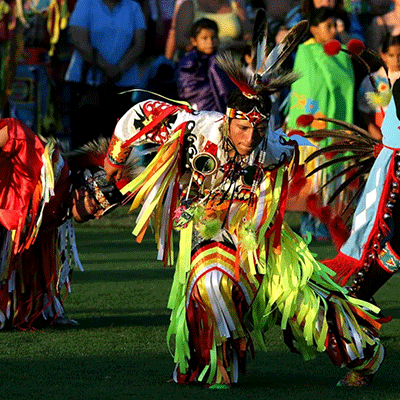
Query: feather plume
{"x": 248, "y": 236}
{"x": 353, "y": 199}
{"x": 328, "y": 163}
{"x": 93, "y": 154}
{"x": 281, "y": 51}
{"x": 259, "y": 40}
{"x": 380, "y": 99}
{"x": 199, "y": 213}
{"x": 208, "y": 228}
{"x": 355, "y": 169}
{"x": 89, "y": 155}
{"x": 358, "y": 143}
{"x": 337, "y": 134}
{"x": 360, "y": 150}
{"x": 354, "y": 128}
{"x": 282, "y": 80}
{"x": 361, "y": 171}
{"x": 231, "y": 63}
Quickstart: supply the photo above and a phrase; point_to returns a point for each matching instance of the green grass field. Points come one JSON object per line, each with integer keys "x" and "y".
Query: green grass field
{"x": 119, "y": 349}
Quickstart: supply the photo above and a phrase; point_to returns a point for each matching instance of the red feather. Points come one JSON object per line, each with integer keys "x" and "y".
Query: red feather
{"x": 247, "y": 90}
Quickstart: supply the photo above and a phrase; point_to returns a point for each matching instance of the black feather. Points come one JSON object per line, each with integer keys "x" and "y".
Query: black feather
{"x": 349, "y": 126}
{"x": 339, "y": 134}
{"x": 352, "y": 200}
{"x": 327, "y": 164}
{"x": 340, "y": 148}
{"x": 345, "y": 171}
{"x": 362, "y": 170}
{"x": 259, "y": 39}
{"x": 283, "y": 49}
{"x": 231, "y": 64}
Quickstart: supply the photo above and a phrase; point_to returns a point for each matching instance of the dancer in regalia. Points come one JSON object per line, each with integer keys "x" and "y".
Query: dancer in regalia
{"x": 370, "y": 256}
{"x": 40, "y": 191}
{"x": 221, "y": 180}
{"x": 369, "y": 252}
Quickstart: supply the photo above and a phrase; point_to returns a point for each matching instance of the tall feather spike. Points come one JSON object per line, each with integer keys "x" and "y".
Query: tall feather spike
{"x": 281, "y": 51}
{"x": 259, "y": 40}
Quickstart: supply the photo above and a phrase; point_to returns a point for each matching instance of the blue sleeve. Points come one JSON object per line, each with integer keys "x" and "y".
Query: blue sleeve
{"x": 80, "y": 15}
{"x": 140, "y": 22}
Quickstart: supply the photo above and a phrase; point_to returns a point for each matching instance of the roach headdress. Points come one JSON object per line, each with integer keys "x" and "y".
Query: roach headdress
{"x": 265, "y": 75}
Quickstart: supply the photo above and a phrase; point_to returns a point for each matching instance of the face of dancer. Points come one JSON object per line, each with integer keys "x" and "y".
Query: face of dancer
{"x": 206, "y": 41}
{"x": 325, "y": 31}
{"x": 244, "y": 136}
{"x": 392, "y": 58}
{"x": 85, "y": 207}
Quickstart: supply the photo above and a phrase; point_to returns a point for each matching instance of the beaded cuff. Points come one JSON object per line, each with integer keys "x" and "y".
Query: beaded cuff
{"x": 117, "y": 154}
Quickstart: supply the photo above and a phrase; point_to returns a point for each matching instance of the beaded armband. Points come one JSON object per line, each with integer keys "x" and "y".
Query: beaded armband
{"x": 96, "y": 191}
{"x": 117, "y": 154}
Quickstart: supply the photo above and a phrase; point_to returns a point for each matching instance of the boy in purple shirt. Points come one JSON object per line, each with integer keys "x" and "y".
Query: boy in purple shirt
{"x": 200, "y": 81}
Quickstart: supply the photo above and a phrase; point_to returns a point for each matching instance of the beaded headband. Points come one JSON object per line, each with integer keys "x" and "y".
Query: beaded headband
{"x": 254, "y": 116}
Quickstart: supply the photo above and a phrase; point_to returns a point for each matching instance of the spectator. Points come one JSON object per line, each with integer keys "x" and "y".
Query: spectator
{"x": 40, "y": 191}
{"x": 277, "y": 12}
{"x": 230, "y": 15}
{"x": 108, "y": 36}
{"x": 325, "y": 89}
{"x": 371, "y": 113}
{"x": 348, "y": 25}
{"x": 382, "y": 25}
{"x": 366, "y": 10}
{"x": 158, "y": 14}
{"x": 200, "y": 81}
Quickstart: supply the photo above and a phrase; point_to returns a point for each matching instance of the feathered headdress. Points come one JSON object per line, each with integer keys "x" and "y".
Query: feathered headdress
{"x": 263, "y": 79}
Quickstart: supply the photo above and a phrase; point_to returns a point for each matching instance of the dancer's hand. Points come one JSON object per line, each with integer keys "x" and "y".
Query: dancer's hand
{"x": 113, "y": 174}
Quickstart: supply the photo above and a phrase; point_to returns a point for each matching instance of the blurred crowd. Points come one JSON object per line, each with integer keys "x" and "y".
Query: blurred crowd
{"x": 71, "y": 68}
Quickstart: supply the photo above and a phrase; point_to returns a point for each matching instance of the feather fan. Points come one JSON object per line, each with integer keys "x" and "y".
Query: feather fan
{"x": 354, "y": 146}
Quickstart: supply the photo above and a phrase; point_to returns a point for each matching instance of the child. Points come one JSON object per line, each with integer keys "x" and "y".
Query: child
{"x": 199, "y": 79}
{"x": 372, "y": 113}
{"x": 326, "y": 85}
{"x": 325, "y": 89}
